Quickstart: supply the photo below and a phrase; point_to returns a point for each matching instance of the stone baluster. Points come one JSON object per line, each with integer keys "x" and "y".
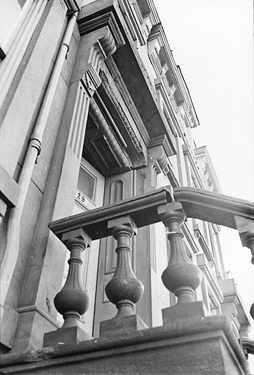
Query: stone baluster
{"x": 181, "y": 276}
{"x": 245, "y": 229}
{"x": 124, "y": 289}
{"x": 73, "y": 300}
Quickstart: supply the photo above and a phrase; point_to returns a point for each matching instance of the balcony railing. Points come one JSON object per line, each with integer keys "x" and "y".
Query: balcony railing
{"x": 188, "y": 342}
{"x": 121, "y": 220}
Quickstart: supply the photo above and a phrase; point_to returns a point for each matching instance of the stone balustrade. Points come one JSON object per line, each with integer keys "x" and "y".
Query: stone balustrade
{"x": 121, "y": 220}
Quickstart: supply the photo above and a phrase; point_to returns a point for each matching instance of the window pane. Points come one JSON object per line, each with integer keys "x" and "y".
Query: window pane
{"x": 86, "y": 183}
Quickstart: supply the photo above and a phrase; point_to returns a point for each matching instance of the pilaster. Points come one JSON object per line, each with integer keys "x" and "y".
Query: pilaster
{"x": 94, "y": 47}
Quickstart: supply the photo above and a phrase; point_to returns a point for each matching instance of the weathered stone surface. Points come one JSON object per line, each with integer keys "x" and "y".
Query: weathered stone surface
{"x": 64, "y": 336}
{"x": 121, "y": 325}
{"x": 184, "y": 311}
{"x": 189, "y": 347}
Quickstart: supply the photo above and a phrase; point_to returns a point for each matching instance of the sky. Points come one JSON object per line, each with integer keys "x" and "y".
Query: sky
{"x": 212, "y": 41}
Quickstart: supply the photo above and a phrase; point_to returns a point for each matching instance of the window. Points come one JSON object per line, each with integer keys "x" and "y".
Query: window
{"x": 86, "y": 185}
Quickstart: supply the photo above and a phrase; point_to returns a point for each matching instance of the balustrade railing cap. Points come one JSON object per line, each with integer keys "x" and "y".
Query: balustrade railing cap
{"x": 213, "y": 207}
{"x": 143, "y": 210}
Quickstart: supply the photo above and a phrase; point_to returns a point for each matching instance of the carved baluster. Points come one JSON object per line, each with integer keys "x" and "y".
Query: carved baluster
{"x": 181, "y": 276}
{"x": 245, "y": 229}
{"x": 124, "y": 289}
{"x": 73, "y": 300}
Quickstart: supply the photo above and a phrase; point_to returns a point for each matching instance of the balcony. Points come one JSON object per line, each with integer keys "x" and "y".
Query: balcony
{"x": 189, "y": 341}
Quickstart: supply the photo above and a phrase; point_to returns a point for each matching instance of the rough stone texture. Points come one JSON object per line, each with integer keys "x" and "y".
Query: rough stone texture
{"x": 64, "y": 336}
{"x": 190, "y": 347}
{"x": 184, "y": 311}
{"x": 121, "y": 325}
{"x": 28, "y": 335}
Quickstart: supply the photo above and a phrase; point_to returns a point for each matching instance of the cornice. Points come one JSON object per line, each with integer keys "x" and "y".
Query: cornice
{"x": 166, "y": 60}
{"x": 90, "y": 20}
{"x": 160, "y": 86}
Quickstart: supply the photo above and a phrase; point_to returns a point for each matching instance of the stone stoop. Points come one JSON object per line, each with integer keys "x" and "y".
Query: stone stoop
{"x": 195, "y": 346}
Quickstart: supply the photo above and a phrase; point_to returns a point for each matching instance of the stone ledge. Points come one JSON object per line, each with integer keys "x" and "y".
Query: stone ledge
{"x": 191, "y": 347}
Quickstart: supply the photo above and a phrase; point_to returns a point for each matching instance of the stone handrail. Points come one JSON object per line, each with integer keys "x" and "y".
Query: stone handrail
{"x": 200, "y": 204}
{"x": 213, "y": 207}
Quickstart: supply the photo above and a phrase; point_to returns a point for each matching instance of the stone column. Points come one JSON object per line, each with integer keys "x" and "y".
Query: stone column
{"x": 124, "y": 289}
{"x": 181, "y": 276}
{"x": 73, "y": 300}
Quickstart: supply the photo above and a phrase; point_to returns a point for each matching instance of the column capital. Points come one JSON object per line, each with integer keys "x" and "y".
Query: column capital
{"x": 123, "y": 221}
{"x": 172, "y": 214}
{"x": 76, "y": 236}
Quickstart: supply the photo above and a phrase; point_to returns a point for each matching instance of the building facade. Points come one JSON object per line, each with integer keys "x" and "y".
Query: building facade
{"x": 94, "y": 111}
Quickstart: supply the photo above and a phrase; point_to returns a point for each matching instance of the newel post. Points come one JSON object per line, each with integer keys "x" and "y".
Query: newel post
{"x": 181, "y": 276}
{"x": 124, "y": 289}
{"x": 73, "y": 300}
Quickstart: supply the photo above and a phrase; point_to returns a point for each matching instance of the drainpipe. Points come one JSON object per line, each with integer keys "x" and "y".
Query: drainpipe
{"x": 34, "y": 147}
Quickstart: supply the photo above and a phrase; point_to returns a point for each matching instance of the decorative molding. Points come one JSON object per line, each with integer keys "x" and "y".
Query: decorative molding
{"x": 161, "y": 86}
{"x": 137, "y": 11}
{"x": 119, "y": 82}
{"x": 202, "y": 153}
{"x": 216, "y": 290}
{"x": 116, "y": 148}
{"x": 144, "y": 8}
{"x": 189, "y": 238}
{"x": 136, "y": 142}
{"x": 160, "y": 150}
{"x": 72, "y": 6}
{"x": 78, "y": 121}
{"x": 203, "y": 244}
{"x": 131, "y": 21}
{"x": 94, "y": 21}
{"x": 189, "y": 153}
{"x": 157, "y": 40}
